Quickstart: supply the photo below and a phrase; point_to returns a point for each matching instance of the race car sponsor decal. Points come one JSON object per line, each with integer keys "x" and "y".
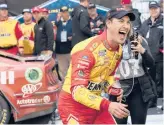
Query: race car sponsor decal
{"x": 45, "y": 99}
{"x": 33, "y": 75}
{"x": 30, "y": 89}
{"x": 7, "y": 77}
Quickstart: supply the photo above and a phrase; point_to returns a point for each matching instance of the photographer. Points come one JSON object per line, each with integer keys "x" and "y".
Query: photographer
{"x": 134, "y": 79}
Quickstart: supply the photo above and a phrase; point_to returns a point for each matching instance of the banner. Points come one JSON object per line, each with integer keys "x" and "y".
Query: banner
{"x": 54, "y": 7}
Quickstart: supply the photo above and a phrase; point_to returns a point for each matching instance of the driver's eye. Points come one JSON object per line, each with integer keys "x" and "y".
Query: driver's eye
{"x": 121, "y": 21}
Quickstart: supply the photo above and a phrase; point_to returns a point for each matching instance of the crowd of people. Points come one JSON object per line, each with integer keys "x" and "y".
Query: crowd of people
{"x": 93, "y": 53}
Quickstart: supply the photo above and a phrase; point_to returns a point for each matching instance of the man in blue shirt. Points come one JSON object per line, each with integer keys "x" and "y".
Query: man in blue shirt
{"x": 63, "y": 40}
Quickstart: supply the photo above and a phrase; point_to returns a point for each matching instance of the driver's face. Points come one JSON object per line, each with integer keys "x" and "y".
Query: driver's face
{"x": 119, "y": 28}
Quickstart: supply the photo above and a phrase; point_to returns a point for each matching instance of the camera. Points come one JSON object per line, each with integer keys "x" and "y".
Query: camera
{"x": 133, "y": 39}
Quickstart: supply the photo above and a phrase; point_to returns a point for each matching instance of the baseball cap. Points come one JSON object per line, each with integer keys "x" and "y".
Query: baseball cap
{"x": 153, "y": 4}
{"x": 124, "y": 2}
{"x": 3, "y": 6}
{"x": 119, "y": 13}
{"x": 44, "y": 10}
{"x": 91, "y": 6}
{"x": 26, "y": 11}
{"x": 63, "y": 9}
{"x": 36, "y": 9}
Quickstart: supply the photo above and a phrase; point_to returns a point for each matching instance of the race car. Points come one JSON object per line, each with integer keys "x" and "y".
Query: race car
{"x": 29, "y": 87}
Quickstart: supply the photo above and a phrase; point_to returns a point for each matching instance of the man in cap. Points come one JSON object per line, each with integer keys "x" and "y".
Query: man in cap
{"x": 96, "y": 21}
{"x": 81, "y": 23}
{"x": 28, "y": 31}
{"x": 44, "y": 34}
{"x": 63, "y": 41}
{"x": 152, "y": 30}
{"x": 45, "y": 13}
{"x": 10, "y": 32}
{"x": 93, "y": 63}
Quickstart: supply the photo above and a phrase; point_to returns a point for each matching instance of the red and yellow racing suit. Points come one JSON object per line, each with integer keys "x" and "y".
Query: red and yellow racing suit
{"x": 93, "y": 63}
{"x": 28, "y": 42}
{"x": 10, "y": 34}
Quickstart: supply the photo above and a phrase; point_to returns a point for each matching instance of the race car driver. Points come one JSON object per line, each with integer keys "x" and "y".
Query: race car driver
{"x": 93, "y": 63}
{"x": 10, "y": 32}
{"x": 28, "y": 31}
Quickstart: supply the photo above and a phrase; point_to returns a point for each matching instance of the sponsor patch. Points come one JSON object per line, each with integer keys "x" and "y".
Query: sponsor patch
{"x": 85, "y": 57}
{"x": 102, "y": 53}
{"x": 94, "y": 86}
{"x": 5, "y": 34}
{"x": 92, "y": 97}
{"x": 81, "y": 73}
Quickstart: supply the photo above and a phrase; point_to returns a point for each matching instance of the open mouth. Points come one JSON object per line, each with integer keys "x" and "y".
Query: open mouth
{"x": 123, "y": 34}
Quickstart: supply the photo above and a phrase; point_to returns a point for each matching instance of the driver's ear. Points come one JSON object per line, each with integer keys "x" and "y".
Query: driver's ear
{"x": 108, "y": 22}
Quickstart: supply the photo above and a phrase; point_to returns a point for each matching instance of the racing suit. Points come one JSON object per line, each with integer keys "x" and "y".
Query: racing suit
{"x": 93, "y": 63}
{"x": 10, "y": 34}
{"x": 28, "y": 42}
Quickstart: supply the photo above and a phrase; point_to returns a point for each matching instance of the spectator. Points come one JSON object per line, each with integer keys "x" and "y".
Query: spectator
{"x": 96, "y": 21}
{"x": 44, "y": 35}
{"x": 80, "y": 20}
{"x": 135, "y": 81}
{"x": 152, "y": 30}
{"x": 45, "y": 13}
{"x": 127, "y": 5}
{"x": 63, "y": 41}
{"x": 162, "y": 6}
{"x": 28, "y": 32}
{"x": 10, "y": 32}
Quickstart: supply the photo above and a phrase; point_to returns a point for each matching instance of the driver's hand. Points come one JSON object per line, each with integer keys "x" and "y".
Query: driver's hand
{"x": 118, "y": 110}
